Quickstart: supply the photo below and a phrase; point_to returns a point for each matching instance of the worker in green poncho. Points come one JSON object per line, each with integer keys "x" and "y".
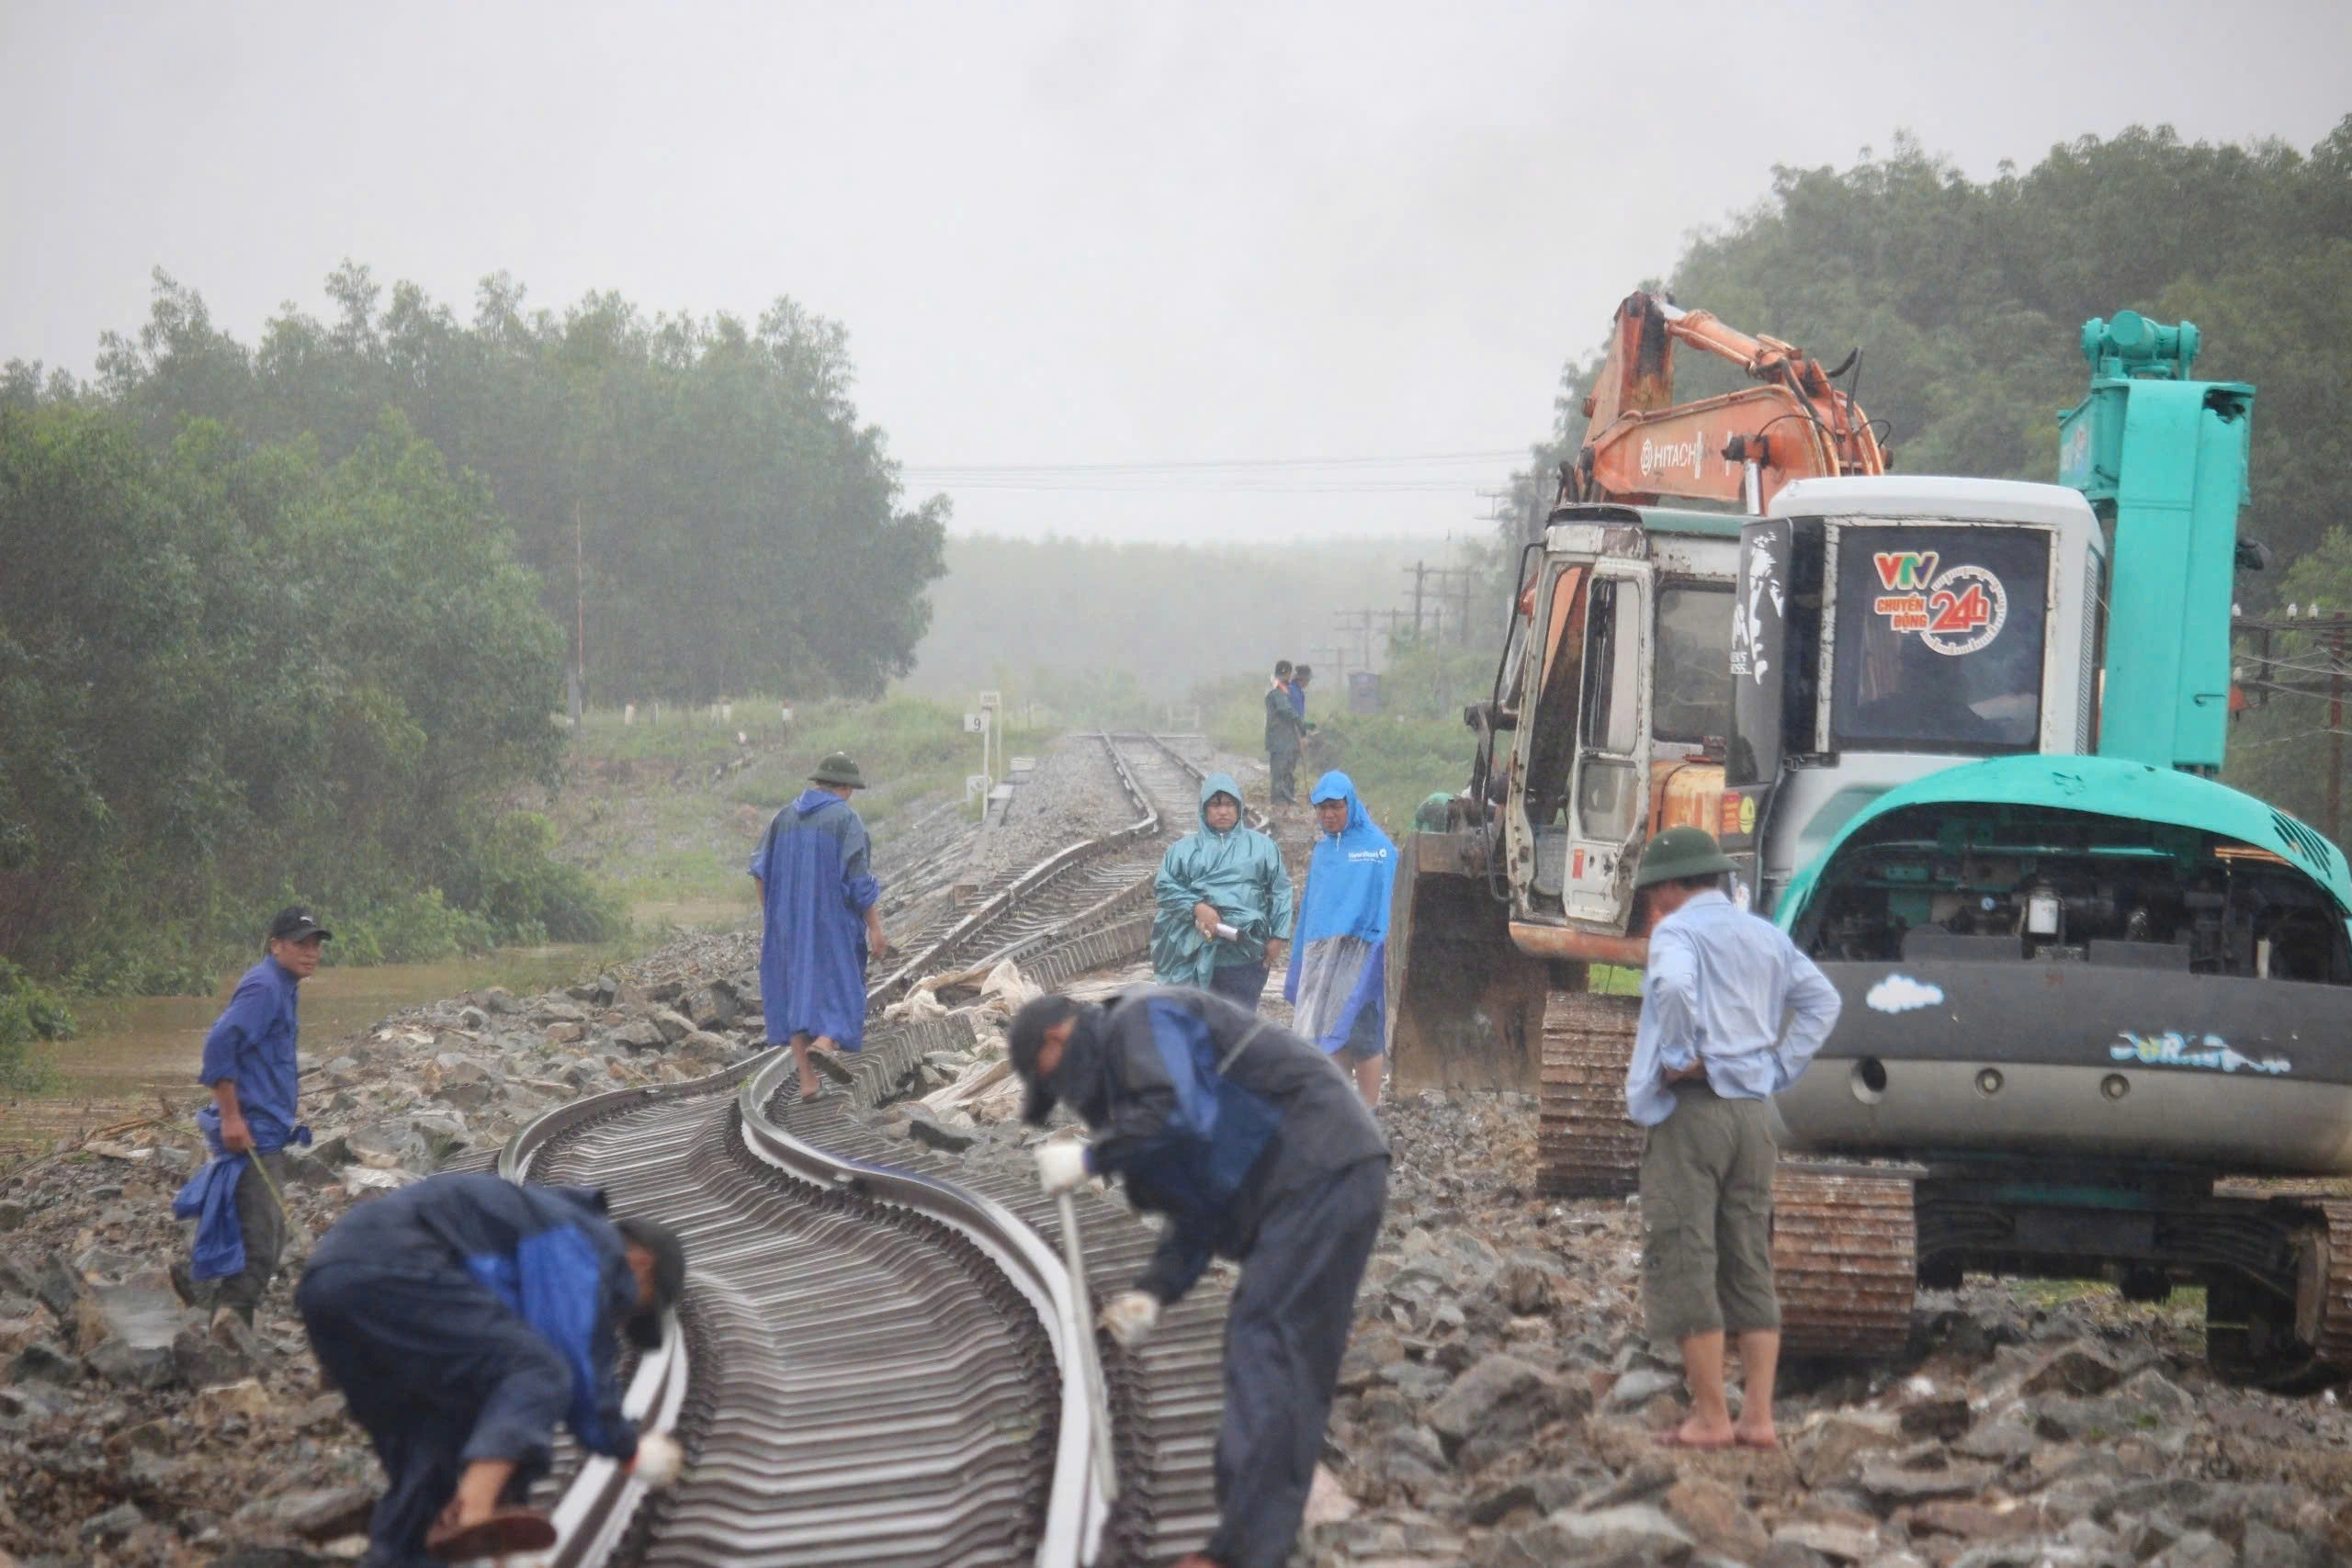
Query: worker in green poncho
{"x": 1225, "y": 902}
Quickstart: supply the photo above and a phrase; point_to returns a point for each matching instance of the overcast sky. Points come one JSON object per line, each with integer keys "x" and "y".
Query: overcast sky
{"x": 1060, "y": 234}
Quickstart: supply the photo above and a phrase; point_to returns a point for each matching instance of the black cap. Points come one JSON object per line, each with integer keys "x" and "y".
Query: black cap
{"x": 294, "y": 922}
{"x": 669, "y": 1275}
{"x": 1027, "y": 1039}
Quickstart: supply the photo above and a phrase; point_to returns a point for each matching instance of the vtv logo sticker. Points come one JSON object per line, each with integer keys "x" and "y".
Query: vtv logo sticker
{"x": 1904, "y": 569}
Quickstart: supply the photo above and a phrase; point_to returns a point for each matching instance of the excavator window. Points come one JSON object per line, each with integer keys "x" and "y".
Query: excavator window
{"x": 1550, "y": 735}
{"x": 1690, "y": 700}
{"x": 1608, "y": 796}
{"x": 1939, "y": 638}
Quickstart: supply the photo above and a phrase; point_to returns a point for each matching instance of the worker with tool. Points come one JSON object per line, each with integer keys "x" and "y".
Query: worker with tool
{"x": 1255, "y": 1146}
{"x": 463, "y": 1316}
{"x": 1224, "y": 902}
{"x": 249, "y": 1065}
{"x": 1710, "y": 1052}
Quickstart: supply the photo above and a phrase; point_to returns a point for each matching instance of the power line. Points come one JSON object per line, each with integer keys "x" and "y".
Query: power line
{"x": 1169, "y": 465}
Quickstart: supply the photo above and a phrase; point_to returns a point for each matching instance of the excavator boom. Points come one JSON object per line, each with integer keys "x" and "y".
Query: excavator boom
{"x": 1740, "y": 449}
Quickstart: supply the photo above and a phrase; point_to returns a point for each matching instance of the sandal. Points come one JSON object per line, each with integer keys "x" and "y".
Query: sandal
{"x": 831, "y": 1064}
{"x": 501, "y": 1534}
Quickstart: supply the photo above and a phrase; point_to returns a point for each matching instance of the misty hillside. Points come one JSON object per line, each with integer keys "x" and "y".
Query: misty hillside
{"x": 1168, "y": 615}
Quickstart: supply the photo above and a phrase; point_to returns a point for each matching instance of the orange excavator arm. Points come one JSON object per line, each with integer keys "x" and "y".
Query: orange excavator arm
{"x": 1641, "y": 446}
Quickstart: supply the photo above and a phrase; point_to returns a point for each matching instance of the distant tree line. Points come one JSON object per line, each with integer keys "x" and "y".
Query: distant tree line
{"x": 293, "y": 619}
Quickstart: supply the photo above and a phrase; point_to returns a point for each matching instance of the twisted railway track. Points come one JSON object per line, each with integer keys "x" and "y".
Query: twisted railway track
{"x": 882, "y": 1357}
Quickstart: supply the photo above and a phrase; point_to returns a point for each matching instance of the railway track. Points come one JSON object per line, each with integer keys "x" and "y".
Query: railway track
{"x": 882, "y": 1357}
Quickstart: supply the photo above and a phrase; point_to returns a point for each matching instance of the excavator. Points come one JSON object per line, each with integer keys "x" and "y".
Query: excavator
{"x": 1959, "y": 738}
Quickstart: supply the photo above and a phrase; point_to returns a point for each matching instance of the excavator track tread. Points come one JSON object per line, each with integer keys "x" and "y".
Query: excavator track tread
{"x": 1844, "y": 1260}
{"x": 2334, "y": 1349}
{"x": 1585, "y": 1147}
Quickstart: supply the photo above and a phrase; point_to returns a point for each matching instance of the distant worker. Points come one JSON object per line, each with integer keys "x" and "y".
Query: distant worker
{"x": 1225, "y": 902}
{"x": 250, "y": 1067}
{"x": 462, "y": 1317}
{"x": 1338, "y": 979}
{"x": 1298, "y": 679}
{"x": 1255, "y": 1150}
{"x": 1708, "y": 1052}
{"x": 822, "y": 923}
{"x": 1285, "y": 730}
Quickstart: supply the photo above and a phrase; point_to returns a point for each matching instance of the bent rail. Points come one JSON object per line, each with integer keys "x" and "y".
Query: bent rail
{"x": 598, "y": 1506}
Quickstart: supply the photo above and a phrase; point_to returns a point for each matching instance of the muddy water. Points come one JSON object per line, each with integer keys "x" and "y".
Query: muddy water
{"x": 132, "y": 1050}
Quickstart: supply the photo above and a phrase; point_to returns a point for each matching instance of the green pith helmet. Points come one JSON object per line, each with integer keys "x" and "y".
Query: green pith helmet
{"x": 838, "y": 769}
{"x": 1679, "y": 852}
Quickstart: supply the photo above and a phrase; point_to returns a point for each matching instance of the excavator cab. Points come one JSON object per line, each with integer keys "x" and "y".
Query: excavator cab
{"x": 1608, "y": 722}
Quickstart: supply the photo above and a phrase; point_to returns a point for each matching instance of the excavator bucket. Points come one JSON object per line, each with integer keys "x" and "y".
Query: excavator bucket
{"x": 1465, "y": 1005}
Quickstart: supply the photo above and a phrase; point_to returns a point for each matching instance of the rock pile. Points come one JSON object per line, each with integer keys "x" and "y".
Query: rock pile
{"x": 1499, "y": 1407}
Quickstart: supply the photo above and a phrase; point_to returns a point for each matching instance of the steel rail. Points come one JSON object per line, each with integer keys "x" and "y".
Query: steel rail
{"x": 599, "y": 1505}
{"x": 1085, "y": 1483}
{"x": 599, "y": 1508}
{"x": 1027, "y": 887}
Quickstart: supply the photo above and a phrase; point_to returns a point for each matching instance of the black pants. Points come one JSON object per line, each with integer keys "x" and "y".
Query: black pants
{"x": 1283, "y": 1339}
{"x": 1282, "y": 763}
{"x": 439, "y": 1372}
{"x": 1242, "y": 983}
{"x": 264, "y": 1223}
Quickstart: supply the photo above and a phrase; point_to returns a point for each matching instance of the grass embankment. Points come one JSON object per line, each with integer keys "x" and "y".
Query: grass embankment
{"x": 666, "y": 813}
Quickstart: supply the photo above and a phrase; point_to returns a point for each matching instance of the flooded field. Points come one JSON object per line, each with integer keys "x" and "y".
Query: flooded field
{"x": 135, "y": 1054}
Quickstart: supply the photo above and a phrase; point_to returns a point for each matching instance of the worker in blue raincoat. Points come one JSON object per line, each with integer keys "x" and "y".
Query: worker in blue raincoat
{"x": 1224, "y": 902}
{"x": 1337, "y": 980}
{"x": 251, "y": 1067}
{"x": 1256, "y": 1148}
{"x": 822, "y": 922}
{"x": 462, "y": 1317}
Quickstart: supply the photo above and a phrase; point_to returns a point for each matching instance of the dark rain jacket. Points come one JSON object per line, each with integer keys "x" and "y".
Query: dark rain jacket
{"x": 1285, "y": 721}
{"x": 1211, "y": 1115}
{"x": 548, "y": 1253}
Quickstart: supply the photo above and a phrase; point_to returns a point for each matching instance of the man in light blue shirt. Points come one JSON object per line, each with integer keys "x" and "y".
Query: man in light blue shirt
{"x": 1711, "y": 1050}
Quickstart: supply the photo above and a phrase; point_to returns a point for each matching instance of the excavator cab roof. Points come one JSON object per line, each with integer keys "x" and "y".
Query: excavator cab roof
{"x": 1657, "y": 519}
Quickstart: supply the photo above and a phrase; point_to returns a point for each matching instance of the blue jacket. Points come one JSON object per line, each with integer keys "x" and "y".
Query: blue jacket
{"x": 548, "y": 1252}
{"x": 1338, "y": 966}
{"x": 252, "y": 1045}
{"x": 1213, "y": 1150}
{"x": 815, "y": 886}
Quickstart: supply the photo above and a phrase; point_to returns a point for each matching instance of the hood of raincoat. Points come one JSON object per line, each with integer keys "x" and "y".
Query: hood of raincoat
{"x": 1222, "y": 783}
{"x": 1348, "y": 881}
{"x": 813, "y": 800}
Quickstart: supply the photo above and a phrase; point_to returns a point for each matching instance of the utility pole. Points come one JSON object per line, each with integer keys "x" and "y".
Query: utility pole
{"x": 1420, "y": 570}
{"x": 579, "y": 619}
{"x": 2335, "y": 730}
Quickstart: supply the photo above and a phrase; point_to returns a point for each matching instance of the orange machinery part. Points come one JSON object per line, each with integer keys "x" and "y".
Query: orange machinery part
{"x": 1641, "y": 446}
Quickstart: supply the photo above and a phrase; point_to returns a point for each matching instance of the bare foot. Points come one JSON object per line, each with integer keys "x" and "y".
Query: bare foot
{"x": 1756, "y": 1436}
{"x": 1696, "y": 1434}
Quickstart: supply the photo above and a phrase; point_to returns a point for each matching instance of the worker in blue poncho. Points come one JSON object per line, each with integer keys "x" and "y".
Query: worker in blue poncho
{"x": 250, "y": 1069}
{"x": 822, "y": 922}
{"x": 1224, "y": 902}
{"x": 1338, "y": 979}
